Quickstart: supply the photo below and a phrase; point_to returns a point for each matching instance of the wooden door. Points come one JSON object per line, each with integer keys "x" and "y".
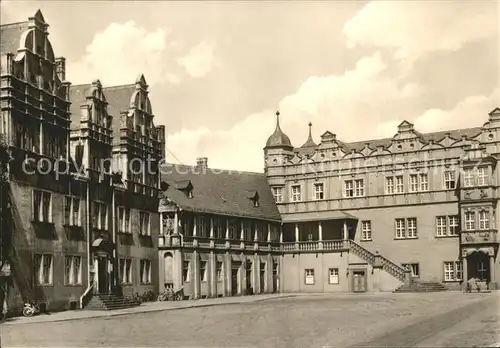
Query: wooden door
{"x": 359, "y": 281}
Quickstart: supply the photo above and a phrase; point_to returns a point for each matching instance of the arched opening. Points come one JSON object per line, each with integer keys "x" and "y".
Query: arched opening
{"x": 104, "y": 270}
{"x": 478, "y": 266}
{"x": 169, "y": 270}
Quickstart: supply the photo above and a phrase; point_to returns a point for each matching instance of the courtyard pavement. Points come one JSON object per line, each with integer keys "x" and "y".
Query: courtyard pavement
{"x": 446, "y": 319}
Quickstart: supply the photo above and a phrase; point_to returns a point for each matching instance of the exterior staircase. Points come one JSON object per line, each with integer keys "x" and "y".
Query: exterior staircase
{"x": 421, "y": 286}
{"x": 387, "y": 265}
{"x": 108, "y": 302}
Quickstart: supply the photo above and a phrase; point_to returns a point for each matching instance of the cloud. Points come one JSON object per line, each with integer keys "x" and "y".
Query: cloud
{"x": 360, "y": 104}
{"x": 200, "y": 59}
{"x": 121, "y": 52}
{"x": 413, "y": 28}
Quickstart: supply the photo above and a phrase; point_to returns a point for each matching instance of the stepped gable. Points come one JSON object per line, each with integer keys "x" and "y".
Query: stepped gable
{"x": 222, "y": 192}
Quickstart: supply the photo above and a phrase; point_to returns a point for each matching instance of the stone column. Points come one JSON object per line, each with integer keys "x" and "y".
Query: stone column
{"x": 256, "y": 274}
{"x": 492, "y": 273}
{"x": 345, "y": 231}
{"x": 297, "y": 236}
{"x": 228, "y": 274}
{"x": 177, "y": 271}
{"x": 213, "y": 274}
{"x": 377, "y": 268}
{"x": 320, "y": 235}
{"x": 196, "y": 273}
{"x": 464, "y": 268}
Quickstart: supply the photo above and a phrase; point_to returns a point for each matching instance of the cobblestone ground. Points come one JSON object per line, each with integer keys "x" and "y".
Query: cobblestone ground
{"x": 391, "y": 320}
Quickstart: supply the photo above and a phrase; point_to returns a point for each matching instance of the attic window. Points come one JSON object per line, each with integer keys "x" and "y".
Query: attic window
{"x": 254, "y": 197}
{"x": 185, "y": 186}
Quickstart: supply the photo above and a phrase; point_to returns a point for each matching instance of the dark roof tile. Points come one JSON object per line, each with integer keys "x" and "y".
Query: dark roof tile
{"x": 10, "y": 36}
{"x": 221, "y": 192}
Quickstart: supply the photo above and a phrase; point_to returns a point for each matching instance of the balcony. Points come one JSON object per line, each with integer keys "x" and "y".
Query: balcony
{"x": 217, "y": 244}
{"x": 478, "y": 237}
{"x": 316, "y": 246}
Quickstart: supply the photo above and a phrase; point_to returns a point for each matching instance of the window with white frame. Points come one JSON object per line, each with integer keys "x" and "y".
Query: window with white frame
{"x": 348, "y": 188}
{"x": 72, "y": 270}
{"x": 449, "y": 180}
{"x": 411, "y": 227}
{"x": 186, "y": 271}
{"x": 100, "y": 217}
{"x": 406, "y": 228}
{"x": 203, "y": 271}
{"x": 296, "y": 194}
{"x": 42, "y": 206}
{"x": 72, "y": 215}
{"x": 453, "y": 225}
{"x": 144, "y": 223}
{"x": 447, "y": 226}
{"x": 220, "y": 271}
{"x": 413, "y": 182}
{"x": 309, "y": 276}
{"x": 441, "y": 226}
{"x": 484, "y": 220}
{"x": 482, "y": 176}
{"x": 354, "y": 188}
{"x": 400, "y": 188}
{"x": 414, "y": 268}
{"x": 333, "y": 276}
{"x": 424, "y": 182}
{"x": 453, "y": 271}
{"x": 359, "y": 188}
{"x": 278, "y": 194}
{"x": 389, "y": 185}
{"x": 468, "y": 177}
{"x": 470, "y": 220}
{"x": 124, "y": 220}
{"x": 400, "y": 228}
{"x": 318, "y": 191}
{"x": 145, "y": 267}
{"x": 126, "y": 271}
{"x": 366, "y": 230}
{"x": 44, "y": 269}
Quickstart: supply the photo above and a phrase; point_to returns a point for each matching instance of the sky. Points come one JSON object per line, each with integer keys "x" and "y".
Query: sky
{"x": 218, "y": 71}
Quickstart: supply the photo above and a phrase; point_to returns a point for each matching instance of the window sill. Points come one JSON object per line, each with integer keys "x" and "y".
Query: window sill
{"x": 333, "y": 283}
{"x": 73, "y": 285}
{"x": 45, "y": 285}
{"x": 366, "y": 240}
{"x": 145, "y": 283}
{"x": 407, "y": 238}
{"x": 445, "y": 237}
{"x": 126, "y": 284}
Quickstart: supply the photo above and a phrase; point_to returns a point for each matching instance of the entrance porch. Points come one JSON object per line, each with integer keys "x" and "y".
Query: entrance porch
{"x": 479, "y": 263}
{"x": 104, "y": 277}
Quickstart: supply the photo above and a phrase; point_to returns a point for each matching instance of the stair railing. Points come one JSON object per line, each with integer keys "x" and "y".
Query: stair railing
{"x": 387, "y": 265}
{"x": 87, "y": 295}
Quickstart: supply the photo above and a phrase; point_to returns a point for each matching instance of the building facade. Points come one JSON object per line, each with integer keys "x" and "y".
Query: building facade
{"x": 220, "y": 233}
{"x": 79, "y": 220}
{"x": 357, "y": 215}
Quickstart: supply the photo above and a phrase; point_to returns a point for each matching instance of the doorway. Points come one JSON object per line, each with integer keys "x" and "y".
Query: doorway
{"x": 359, "y": 281}
{"x": 478, "y": 266}
{"x": 276, "y": 285}
{"x": 234, "y": 279}
{"x": 102, "y": 275}
{"x": 262, "y": 278}
{"x": 248, "y": 269}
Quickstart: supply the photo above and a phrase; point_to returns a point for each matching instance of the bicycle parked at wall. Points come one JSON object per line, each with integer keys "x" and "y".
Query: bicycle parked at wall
{"x": 30, "y": 309}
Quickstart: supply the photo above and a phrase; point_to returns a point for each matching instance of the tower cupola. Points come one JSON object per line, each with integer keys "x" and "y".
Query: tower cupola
{"x": 278, "y": 139}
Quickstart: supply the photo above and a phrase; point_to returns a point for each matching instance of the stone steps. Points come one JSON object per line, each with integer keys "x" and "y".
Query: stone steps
{"x": 422, "y": 286}
{"x": 110, "y": 302}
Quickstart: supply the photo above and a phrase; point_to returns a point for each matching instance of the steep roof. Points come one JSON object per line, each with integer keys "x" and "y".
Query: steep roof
{"x": 10, "y": 36}
{"x": 118, "y": 98}
{"x": 77, "y": 96}
{"x": 221, "y": 192}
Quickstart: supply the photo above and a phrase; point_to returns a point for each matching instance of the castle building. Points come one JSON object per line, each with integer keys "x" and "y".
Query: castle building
{"x": 356, "y": 216}
{"x": 79, "y": 210}
{"x": 220, "y": 233}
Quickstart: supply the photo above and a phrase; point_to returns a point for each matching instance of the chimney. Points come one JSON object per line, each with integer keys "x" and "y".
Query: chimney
{"x": 202, "y": 163}
{"x": 61, "y": 68}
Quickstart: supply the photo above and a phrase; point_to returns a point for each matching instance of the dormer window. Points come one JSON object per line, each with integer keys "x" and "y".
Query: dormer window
{"x": 254, "y": 197}
{"x": 186, "y": 187}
